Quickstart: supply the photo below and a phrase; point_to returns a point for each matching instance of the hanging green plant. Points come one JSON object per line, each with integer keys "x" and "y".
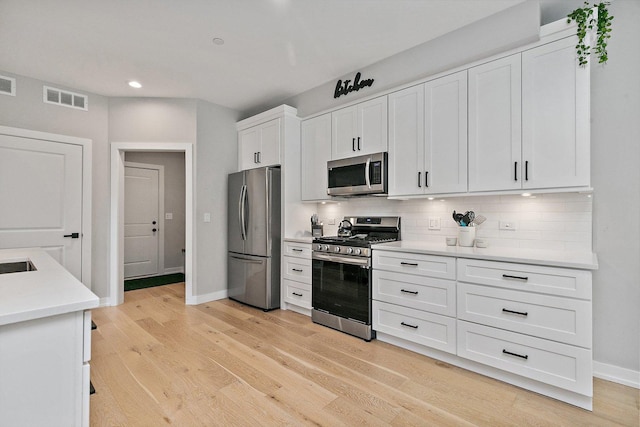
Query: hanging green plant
{"x": 583, "y": 16}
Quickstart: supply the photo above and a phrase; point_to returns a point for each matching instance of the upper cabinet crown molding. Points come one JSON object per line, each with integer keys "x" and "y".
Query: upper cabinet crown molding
{"x": 274, "y": 113}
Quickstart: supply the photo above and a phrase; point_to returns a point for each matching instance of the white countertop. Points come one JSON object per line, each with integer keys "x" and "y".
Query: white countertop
{"x": 568, "y": 259}
{"x": 299, "y": 239}
{"x": 49, "y": 291}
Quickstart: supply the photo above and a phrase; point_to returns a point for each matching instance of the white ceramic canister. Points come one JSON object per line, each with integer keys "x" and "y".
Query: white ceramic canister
{"x": 466, "y": 236}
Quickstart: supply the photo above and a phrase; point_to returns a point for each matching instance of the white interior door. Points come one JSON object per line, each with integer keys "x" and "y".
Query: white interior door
{"x": 141, "y": 222}
{"x": 41, "y": 198}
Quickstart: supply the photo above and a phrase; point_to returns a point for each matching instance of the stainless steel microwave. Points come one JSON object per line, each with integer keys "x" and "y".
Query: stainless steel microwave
{"x": 357, "y": 176}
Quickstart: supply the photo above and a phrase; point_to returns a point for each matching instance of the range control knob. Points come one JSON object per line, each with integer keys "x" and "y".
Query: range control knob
{"x": 358, "y": 251}
{"x": 350, "y": 250}
{"x": 337, "y": 249}
{"x": 325, "y": 247}
{"x": 318, "y": 247}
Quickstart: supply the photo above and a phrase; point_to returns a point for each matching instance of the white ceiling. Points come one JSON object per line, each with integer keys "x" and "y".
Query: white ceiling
{"x": 273, "y": 49}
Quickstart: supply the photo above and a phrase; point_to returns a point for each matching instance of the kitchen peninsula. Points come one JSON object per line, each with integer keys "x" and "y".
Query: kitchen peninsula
{"x": 45, "y": 341}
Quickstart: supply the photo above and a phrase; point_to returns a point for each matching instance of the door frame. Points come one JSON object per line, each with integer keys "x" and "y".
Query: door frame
{"x": 160, "y": 169}
{"x": 87, "y": 158}
{"x": 116, "y": 250}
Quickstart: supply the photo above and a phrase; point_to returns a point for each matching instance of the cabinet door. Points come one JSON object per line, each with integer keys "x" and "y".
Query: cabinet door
{"x": 269, "y": 153}
{"x": 371, "y": 134}
{"x": 343, "y": 133}
{"x": 495, "y": 125}
{"x": 445, "y": 156}
{"x": 555, "y": 114}
{"x": 406, "y": 141}
{"x": 249, "y": 142}
{"x": 316, "y": 151}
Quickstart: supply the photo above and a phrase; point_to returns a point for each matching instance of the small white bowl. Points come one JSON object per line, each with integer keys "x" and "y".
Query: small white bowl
{"x": 452, "y": 241}
{"x": 480, "y": 243}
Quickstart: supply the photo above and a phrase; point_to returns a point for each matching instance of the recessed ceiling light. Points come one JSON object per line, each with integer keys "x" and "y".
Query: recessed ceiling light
{"x": 218, "y": 41}
{"x": 135, "y": 84}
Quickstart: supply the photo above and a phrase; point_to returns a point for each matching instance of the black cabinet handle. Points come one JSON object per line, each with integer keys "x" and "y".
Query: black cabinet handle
{"x": 515, "y": 354}
{"x": 259, "y": 155}
{"x": 520, "y": 313}
{"x": 297, "y": 270}
{"x": 426, "y": 179}
{"x": 515, "y": 170}
{"x": 508, "y": 276}
{"x": 153, "y": 222}
{"x": 353, "y": 144}
{"x": 255, "y": 157}
{"x": 411, "y": 264}
{"x": 526, "y": 170}
{"x": 296, "y": 294}
{"x": 73, "y": 235}
{"x": 419, "y": 179}
{"x": 409, "y": 292}
{"x": 296, "y": 250}
{"x": 154, "y": 230}
{"x": 409, "y": 325}
{"x": 358, "y": 143}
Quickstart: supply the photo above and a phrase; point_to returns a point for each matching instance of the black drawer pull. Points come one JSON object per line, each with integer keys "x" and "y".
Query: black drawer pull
{"x": 410, "y": 264}
{"x": 297, "y": 270}
{"x": 409, "y": 292}
{"x": 296, "y": 294}
{"x": 521, "y": 313}
{"x": 296, "y": 250}
{"x": 409, "y": 326}
{"x": 508, "y": 276}
{"x": 515, "y": 354}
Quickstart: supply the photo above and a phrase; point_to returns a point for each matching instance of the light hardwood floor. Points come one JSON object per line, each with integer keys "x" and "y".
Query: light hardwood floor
{"x": 158, "y": 362}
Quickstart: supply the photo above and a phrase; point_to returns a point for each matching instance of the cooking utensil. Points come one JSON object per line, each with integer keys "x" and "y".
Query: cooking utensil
{"x": 457, "y": 217}
{"x": 479, "y": 220}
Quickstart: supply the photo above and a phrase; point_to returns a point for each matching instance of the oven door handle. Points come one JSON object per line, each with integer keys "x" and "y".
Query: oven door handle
{"x": 361, "y": 261}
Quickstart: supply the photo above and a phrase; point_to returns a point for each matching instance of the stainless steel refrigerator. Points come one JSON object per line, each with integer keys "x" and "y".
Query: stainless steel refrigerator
{"x": 253, "y": 261}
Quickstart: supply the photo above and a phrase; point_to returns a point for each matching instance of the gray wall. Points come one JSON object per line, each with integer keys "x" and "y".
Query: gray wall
{"x": 174, "y": 199}
{"x": 615, "y": 156}
{"x": 26, "y": 110}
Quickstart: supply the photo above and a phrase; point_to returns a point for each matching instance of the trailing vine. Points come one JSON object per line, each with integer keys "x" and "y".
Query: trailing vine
{"x": 583, "y": 16}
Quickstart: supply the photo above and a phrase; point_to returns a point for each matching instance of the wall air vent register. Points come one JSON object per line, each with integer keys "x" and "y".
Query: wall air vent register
{"x": 65, "y": 98}
{"x": 7, "y": 86}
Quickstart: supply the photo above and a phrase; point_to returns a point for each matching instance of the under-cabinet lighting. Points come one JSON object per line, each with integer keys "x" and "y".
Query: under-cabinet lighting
{"x": 135, "y": 85}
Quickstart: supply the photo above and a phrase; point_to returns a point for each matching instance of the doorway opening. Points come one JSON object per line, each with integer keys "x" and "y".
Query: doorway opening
{"x": 116, "y": 253}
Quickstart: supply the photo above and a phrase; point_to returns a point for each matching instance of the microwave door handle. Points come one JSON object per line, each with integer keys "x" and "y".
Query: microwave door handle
{"x": 366, "y": 173}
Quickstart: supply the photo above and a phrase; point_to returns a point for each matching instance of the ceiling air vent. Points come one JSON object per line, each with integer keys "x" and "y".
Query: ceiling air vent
{"x": 7, "y": 86}
{"x": 65, "y": 98}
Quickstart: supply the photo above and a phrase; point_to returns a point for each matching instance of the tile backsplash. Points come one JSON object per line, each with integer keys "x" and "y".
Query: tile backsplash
{"x": 560, "y": 221}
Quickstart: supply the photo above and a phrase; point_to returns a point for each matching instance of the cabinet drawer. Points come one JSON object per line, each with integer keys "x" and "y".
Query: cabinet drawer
{"x": 428, "y": 329}
{"x": 422, "y": 293}
{"x": 440, "y": 267}
{"x": 298, "y": 250}
{"x": 297, "y": 269}
{"x": 534, "y": 278}
{"x": 297, "y": 293}
{"x": 550, "y": 362}
{"x": 556, "y": 318}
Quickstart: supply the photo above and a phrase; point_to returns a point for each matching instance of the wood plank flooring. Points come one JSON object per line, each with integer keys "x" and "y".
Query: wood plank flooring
{"x": 157, "y": 362}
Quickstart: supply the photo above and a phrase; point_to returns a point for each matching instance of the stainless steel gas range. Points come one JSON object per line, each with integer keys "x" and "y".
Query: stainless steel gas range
{"x": 341, "y": 277}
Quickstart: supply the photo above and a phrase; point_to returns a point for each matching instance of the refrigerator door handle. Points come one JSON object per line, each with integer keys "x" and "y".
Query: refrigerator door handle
{"x": 241, "y": 217}
{"x": 248, "y": 260}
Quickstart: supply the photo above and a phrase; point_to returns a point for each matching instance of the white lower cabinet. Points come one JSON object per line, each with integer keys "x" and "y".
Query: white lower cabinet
{"x": 529, "y": 325}
{"x": 550, "y": 362}
{"x": 296, "y": 276}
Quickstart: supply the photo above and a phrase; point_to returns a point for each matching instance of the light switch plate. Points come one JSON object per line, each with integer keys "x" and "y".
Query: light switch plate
{"x": 168, "y": 215}
{"x": 508, "y": 225}
{"x": 434, "y": 223}
{"x": 207, "y": 217}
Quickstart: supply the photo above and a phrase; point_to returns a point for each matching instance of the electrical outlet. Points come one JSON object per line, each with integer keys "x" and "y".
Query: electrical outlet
{"x": 508, "y": 225}
{"x": 331, "y": 221}
{"x": 434, "y": 223}
{"x": 207, "y": 217}
{"x": 168, "y": 215}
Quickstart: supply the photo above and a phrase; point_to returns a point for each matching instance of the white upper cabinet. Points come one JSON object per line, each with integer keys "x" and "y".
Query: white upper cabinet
{"x": 316, "y": 151}
{"x": 428, "y": 137}
{"x": 359, "y": 129}
{"x": 555, "y": 117}
{"x": 259, "y": 145}
{"x": 495, "y": 125}
{"x": 445, "y": 155}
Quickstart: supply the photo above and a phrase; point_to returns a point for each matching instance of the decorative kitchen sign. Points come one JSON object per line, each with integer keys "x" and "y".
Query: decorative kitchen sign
{"x": 343, "y": 88}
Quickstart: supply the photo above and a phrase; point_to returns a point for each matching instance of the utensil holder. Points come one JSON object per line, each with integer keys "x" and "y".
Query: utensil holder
{"x": 466, "y": 236}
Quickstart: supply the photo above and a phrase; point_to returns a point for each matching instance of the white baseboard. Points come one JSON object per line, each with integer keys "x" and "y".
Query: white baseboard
{"x": 173, "y": 270}
{"x": 616, "y": 374}
{"x": 213, "y": 296}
